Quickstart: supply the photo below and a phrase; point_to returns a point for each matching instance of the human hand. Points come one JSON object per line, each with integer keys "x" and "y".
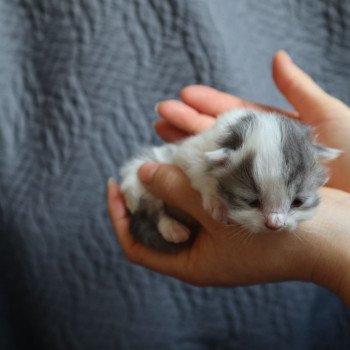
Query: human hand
{"x": 228, "y": 255}
{"x": 221, "y": 255}
{"x": 330, "y": 117}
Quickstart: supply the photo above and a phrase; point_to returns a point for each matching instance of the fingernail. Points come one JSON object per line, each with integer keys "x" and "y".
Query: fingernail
{"x": 111, "y": 181}
{"x": 156, "y": 107}
{"x": 147, "y": 171}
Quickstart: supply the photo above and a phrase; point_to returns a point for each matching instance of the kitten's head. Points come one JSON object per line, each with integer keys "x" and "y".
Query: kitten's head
{"x": 269, "y": 171}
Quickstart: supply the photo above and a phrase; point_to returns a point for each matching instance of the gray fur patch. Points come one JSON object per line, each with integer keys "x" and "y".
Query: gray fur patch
{"x": 301, "y": 165}
{"x": 239, "y": 185}
{"x": 236, "y": 133}
{"x": 143, "y": 227}
{"x": 296, "y": 152}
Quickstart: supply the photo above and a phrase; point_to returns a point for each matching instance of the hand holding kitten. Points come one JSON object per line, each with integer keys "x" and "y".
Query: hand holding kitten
{"x": 221, "y": 255}
{"x": 227, "y": 256}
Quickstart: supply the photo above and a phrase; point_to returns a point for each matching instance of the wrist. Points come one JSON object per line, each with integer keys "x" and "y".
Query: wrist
{"x": 331, "y": 270}
{"x": 328, "y": 238}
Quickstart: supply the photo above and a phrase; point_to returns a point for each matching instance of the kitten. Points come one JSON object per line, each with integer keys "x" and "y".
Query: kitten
{"x": 258, "y": 169}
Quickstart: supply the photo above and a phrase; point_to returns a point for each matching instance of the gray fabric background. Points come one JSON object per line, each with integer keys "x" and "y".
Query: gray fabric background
{"x": 78, "y": 83}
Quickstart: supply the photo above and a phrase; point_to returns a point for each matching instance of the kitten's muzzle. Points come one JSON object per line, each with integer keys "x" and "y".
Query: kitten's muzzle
{"x": 275, "y": 221}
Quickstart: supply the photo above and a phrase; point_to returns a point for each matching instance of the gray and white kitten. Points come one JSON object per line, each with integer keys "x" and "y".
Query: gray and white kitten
{"x": 258, "y": 169}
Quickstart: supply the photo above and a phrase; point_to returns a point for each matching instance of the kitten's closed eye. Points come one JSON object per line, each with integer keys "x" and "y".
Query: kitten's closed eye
{"x": 254, "y": 203}
{"x": 297, "y": 202}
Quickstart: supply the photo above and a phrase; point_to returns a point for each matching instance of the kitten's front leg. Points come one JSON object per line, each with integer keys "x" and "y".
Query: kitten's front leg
{"x": 215, "y": 207}
{"x": 212, "y": 203}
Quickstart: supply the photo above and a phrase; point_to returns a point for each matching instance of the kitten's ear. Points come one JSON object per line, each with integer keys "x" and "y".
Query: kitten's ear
{"x": 218, "y": 158}
{"x": 326, "y": 153}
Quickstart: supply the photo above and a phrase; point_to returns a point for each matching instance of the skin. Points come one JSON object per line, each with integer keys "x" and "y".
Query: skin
{"x": 318, "y": 252}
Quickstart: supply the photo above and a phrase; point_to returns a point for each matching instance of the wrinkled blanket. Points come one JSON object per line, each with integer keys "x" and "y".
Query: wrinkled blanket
{"x": 78, "y": 82}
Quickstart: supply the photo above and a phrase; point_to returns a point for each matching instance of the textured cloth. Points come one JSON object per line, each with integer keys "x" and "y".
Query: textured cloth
{"x": 78, "y": 81}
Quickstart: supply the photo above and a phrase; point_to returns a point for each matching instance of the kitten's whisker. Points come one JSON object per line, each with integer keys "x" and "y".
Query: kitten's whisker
{"x": 301, "y": 239}
{"x": 248, "y": 238}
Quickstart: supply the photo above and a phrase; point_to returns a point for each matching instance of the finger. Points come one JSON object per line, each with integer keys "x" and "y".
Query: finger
{"x": 213, "y": 102}
{"x": 184, "y": 117}
{"x": 118, "y": 215}
{"x": 169, "y": 132}
{"x": 170, "y": 184}
{"x": 172, "y": 264}
{"x": 299, "y": 89}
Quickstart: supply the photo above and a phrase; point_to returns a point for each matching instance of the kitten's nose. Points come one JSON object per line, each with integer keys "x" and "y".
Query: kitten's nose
{"x": 275, "y": 221}
{"x": 273, "y": 227}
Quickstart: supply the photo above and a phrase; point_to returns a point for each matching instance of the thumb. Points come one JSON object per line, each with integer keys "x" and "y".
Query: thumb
{"x": 300, "y": 90}
{"x": 170, "y": 184}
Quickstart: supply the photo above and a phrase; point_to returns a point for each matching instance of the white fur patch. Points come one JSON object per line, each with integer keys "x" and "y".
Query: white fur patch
{"x": 131, "y": 186}
{"x": 266, "y": 140}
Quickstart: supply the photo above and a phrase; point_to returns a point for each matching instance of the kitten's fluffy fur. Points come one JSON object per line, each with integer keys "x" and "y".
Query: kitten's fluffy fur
{"x": 258, "y": 169}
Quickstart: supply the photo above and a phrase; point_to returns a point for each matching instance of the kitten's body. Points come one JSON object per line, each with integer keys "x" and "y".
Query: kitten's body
{"x": 258, "y": 169}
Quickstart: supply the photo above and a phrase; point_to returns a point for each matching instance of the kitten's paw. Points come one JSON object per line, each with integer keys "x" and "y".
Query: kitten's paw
{"x": 217, "y": 209}
{"x": 172, "y": 230}
{"x": 132, "y": 202}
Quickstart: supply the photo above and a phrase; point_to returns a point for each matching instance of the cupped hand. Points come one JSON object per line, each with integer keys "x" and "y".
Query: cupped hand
{"x": 221, "y": 254}
{"x": 330, "y": 117}
{"x": 229, "y": 256}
